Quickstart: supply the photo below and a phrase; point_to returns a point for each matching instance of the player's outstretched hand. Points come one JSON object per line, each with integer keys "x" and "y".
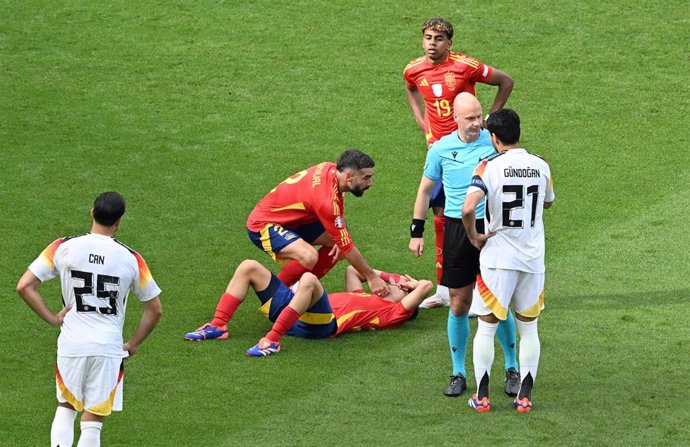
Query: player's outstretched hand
{"x": 60, "y": 316}
{"x": 417, "y": 246}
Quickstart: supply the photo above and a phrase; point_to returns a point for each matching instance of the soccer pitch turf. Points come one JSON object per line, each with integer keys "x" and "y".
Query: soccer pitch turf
{"x": 194, "y": 110}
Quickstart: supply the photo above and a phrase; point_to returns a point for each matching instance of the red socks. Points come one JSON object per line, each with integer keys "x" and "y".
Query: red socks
{"x": 292, "y": 271}
{"x": 324, "y": 264}
{"x": 227, "y": 306}
{"x": 439, "y": 229}
{"x": 287, "y": 318}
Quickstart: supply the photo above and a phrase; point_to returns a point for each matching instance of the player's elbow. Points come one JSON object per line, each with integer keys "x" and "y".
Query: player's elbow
{"x": 425, "y": 286}
{"x": 21, "y": 288}
{"x": 24, "y": 285}
{"x": 547, "y": 205}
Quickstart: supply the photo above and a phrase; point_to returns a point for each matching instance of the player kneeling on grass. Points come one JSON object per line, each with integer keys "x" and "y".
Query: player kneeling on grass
{"x": 518, "y": 187}
{"x": 310, "y": 312}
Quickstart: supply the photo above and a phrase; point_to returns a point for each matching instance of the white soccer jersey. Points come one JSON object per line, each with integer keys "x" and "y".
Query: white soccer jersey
{"x": 97, "y": 273}
{"x": 516, "y": 184}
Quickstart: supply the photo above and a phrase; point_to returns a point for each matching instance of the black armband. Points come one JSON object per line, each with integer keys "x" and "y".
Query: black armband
{"x": 417, "y": 228}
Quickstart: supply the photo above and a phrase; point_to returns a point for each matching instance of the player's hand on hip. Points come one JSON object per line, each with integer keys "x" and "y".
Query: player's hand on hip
{"x": 417, "y": 246}
{"x": 60, "y": 316}
{"x": 481, "y": 239}
{"x": 130, "y": 348}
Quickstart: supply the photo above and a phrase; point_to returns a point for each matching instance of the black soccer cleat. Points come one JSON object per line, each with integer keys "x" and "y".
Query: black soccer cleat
{"x": 457, "y": 385}
{"x": 512, "y": 382}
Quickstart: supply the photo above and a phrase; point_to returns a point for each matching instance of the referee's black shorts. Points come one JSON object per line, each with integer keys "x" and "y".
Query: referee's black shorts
{"x": 460, "y": 257}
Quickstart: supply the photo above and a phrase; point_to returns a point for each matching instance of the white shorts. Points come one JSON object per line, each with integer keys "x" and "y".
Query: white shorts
{"x": 498, "y": 288}
{"x": 92, "y": 384}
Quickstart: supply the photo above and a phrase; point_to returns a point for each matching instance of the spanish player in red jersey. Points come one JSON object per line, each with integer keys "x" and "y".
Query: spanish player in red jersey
{"x": 309, "y": 312}
{"x": 432, "y": 82}
{"x": 307, "y": 210}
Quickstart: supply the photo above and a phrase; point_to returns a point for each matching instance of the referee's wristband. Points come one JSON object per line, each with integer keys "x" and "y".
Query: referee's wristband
{"x": 417, "y": 228}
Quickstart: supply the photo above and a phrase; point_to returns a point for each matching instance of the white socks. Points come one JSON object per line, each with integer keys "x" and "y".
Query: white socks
{"x": 530, "y": 348}
{"x": 443, "y": 291}
{"x": 483, "y": 351}
{"x": 90, "y": 434}
{"x": 62, "y": 430}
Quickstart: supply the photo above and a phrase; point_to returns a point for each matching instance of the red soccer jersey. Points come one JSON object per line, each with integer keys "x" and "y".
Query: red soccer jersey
{"x": 439, "y": 85}
{"x": 304, "y": 198}
{"x": 359, "y": 311}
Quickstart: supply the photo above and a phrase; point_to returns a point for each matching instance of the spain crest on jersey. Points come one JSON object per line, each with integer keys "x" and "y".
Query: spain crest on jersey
{"x": 450, "y": 80}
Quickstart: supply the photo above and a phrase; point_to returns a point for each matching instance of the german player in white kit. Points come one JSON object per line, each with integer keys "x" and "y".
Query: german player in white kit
{"x": 518, "y": 187}
{"x": 96, "y": 274}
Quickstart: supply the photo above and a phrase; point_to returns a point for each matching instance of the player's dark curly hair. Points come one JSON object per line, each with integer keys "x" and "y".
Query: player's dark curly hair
{"x": 108, "y": 208}
{"x": 354, "y": 159}
{"x": 505, "y": 124}
{"x": 439, "y": 24}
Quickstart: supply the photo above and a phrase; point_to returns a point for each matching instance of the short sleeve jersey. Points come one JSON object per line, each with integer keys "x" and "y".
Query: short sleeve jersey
{"x": 452, "y": 161}
{"x": 516, "y": 184}
{"x": 306, "y": 197}
{"x": 359, "y": 311}
{"x": 440, "y": 84}
{"x": 96, "y": 273}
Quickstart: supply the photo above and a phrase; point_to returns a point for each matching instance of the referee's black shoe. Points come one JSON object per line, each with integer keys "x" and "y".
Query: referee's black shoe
{"x": 512, "y": 382}
{"x": 457, "y": 385}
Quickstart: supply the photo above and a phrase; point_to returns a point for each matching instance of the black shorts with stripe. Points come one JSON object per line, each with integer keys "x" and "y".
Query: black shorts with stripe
{"x": 460, "y": 257}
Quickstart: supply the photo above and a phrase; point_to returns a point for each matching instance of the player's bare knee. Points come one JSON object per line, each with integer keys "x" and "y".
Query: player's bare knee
{"x": 247, "y": 266}
{"x": 66, "y": 405}
{"x": 490, "y": 318}
{"x": 309, "y": 280}
{"x": 310, "y": 259}
{"x": 460, "y": 300}
{"x": 90, "y": 417}
{"x": 524, "y": 318}
{"x": 307, "y": 257}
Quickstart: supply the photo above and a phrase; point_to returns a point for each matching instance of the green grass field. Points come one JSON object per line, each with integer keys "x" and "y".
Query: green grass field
{"x": 194, "y": 110}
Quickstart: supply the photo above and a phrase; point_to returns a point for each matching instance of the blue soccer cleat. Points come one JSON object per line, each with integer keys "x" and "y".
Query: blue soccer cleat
{"x": 481, "y": 405}
{"x": 263, "y": 348}
{"x": 208, "y": 332}
{"x": 523, "y": 405}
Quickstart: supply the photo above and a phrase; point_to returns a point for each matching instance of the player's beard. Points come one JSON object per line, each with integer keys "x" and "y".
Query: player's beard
{"x": 357, "y": 192}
